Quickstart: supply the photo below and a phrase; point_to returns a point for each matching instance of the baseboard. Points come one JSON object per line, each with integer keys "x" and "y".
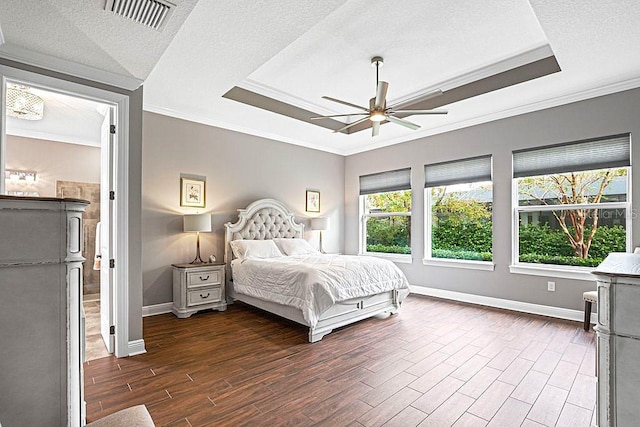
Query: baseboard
{"x": 525, "y": 307}
{"x": 154, "y": 310}
{"x": 136, "y": 347}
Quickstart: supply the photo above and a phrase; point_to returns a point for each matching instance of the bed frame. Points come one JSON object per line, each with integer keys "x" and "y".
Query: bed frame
{"x": 269, "y": 219}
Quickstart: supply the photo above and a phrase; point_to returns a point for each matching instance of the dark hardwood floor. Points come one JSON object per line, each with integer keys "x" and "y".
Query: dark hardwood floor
{"x": 436, "y": 363}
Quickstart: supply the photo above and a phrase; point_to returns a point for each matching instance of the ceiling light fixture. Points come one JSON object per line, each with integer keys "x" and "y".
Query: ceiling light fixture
{"x": 22, "y": 104}
{"x": 377, "y": 116}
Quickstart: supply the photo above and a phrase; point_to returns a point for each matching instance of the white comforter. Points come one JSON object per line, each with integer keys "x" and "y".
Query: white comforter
{"x": 314, "y": 283}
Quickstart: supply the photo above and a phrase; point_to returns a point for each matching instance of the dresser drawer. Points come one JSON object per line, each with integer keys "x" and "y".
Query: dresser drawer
{"x": 204, "y": 296}
{"x": 204, "y": 278}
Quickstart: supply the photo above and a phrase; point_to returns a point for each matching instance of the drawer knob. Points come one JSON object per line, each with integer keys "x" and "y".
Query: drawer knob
{"x": 203, "y": 278}
{"x": 205, "y": 296}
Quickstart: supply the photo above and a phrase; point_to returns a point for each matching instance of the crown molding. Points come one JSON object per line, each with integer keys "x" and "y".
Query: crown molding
{"x": 46, "y": 136}
{"x": 36, "y": 59}
{"x": 570, "y": 98}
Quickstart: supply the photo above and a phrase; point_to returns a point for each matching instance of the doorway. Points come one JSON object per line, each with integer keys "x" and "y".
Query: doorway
{"x": 66, "y": 159}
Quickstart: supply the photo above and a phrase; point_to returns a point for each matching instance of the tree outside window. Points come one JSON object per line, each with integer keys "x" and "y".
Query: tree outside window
{"x": 388, "y": 222}
{"x": 461, "y": 221}
{"x": 573, "y": 218}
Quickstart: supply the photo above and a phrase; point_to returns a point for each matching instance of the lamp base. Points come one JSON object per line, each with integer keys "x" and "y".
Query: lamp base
{"x": 198, "y": 258}
{"x": 320, "y": 245}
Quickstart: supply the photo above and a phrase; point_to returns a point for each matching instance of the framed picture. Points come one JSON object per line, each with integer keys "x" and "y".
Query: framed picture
{"x": 192, "y": 192}
{"x": 313, "y": 201}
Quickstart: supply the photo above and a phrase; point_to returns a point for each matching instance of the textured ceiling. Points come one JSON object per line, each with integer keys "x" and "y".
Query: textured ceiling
{"x": 294, "y": 52}
{"x": 82, "y": 32}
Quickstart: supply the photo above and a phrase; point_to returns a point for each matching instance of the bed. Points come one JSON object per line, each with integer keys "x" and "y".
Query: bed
{"x": 294, "y": 286}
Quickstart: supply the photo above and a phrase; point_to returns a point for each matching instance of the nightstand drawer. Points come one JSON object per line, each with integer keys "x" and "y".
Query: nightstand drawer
{"x": 204, "y": 296}
{"x": 200, "y": 278}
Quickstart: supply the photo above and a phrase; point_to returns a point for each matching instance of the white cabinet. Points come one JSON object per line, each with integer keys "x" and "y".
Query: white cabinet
{"x": 618, "y": 332}
{"x": 198, "y": 287}
{"x": 41, "y": 259}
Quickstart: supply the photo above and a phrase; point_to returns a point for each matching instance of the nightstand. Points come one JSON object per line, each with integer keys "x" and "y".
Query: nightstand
{"x": 198, "y": 287}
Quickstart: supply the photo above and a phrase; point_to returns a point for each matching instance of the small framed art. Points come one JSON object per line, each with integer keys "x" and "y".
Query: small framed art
{"x": 313, "y": 201}
{"x": 192, "y": 192}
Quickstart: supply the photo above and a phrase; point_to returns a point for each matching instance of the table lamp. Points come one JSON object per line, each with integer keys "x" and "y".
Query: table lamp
{"x": 321, "y": 224}
{"x": 198, "y": 223}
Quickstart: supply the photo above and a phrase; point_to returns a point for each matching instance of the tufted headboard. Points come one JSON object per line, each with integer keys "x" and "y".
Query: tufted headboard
{"x": 263, "y": 219}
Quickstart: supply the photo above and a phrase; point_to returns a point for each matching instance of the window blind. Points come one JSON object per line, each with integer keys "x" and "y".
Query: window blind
{"x": 475, "y": 169}
{"x": 396, "y": 180}
{"x": 597, "y": 153}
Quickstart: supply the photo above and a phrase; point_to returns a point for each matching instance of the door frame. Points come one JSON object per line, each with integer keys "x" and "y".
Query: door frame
{"x": 121, "y": 206}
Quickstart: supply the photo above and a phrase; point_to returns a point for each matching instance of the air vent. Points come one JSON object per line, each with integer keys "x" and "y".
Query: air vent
{"x": 151, "y": 13}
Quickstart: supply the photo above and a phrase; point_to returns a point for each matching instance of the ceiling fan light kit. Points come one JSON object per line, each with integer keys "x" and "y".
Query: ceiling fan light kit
{"x": 377, "y": 116}
{"x": 378, "y": 112}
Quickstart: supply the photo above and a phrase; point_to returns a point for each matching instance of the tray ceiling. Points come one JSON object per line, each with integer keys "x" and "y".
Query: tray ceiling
{"x": 491, "y": 59}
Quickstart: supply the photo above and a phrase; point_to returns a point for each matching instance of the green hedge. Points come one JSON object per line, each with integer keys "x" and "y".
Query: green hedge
{"x": 455, "y": 236}
{"x": 393, "y": 231}
{"x": 539, "y": 244}
{"x": 393, "y": 249}
{"x": 467, "y": 255}
{"x": 560, "y": 260}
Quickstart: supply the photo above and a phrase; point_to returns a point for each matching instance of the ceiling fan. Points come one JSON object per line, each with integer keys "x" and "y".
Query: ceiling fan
{"x": 378, "y": 111}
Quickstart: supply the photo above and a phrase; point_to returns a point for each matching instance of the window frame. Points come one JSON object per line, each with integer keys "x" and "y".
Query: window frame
{"x": 467, "y": 170}
{"x": 401, "y": 258}
{"x": 553, "y": 270}
{"x": 449, "y": 262}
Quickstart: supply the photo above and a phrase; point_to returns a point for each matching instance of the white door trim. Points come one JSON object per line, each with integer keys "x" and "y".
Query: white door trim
{"x": 121, "y": 291}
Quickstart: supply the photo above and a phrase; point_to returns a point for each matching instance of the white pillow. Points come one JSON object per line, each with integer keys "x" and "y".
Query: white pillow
{"x": 295, "y": 247}
{"x": 254, "y": 249}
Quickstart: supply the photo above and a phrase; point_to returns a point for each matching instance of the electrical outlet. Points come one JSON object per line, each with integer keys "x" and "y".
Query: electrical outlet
{"x": 551, "y": 286}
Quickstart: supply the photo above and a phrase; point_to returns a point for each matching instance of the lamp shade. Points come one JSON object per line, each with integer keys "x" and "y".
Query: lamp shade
{"x": 320, "y": 223}
{"x": 198, "y": 222}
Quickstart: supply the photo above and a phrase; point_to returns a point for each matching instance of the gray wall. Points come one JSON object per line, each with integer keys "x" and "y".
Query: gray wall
{"x": 612, "y": 114}
{"x": 239, "y": 169}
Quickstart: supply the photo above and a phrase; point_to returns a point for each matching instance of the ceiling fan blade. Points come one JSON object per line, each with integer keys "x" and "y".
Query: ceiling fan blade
{"x": 420, "y": 98}
{"x": 419, "y": 111}
{"x": 345, "y": 103}
{"x": 338, "y": 115}
{"x": 375, "y": 128}
{"x": 381, "y": 95}
{"x": 403, "y": 122}
{"x": 357, "y": 122}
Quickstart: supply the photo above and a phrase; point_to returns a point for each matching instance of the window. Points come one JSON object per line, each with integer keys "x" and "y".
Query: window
{"x": 385, "y": 206}
{"x": 572, "y": 204}
{"x": 458, "y": 211}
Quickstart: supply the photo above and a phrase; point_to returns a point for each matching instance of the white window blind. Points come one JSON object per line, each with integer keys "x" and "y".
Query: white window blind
{"x": 475, "y": 169}
{"x": 382, "y": 182}
{"x": 597, "y": 153}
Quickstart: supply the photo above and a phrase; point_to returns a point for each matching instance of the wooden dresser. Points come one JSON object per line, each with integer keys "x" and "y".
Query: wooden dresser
{"x": 618, "y": 332}
{"x": 40, "y": 320}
